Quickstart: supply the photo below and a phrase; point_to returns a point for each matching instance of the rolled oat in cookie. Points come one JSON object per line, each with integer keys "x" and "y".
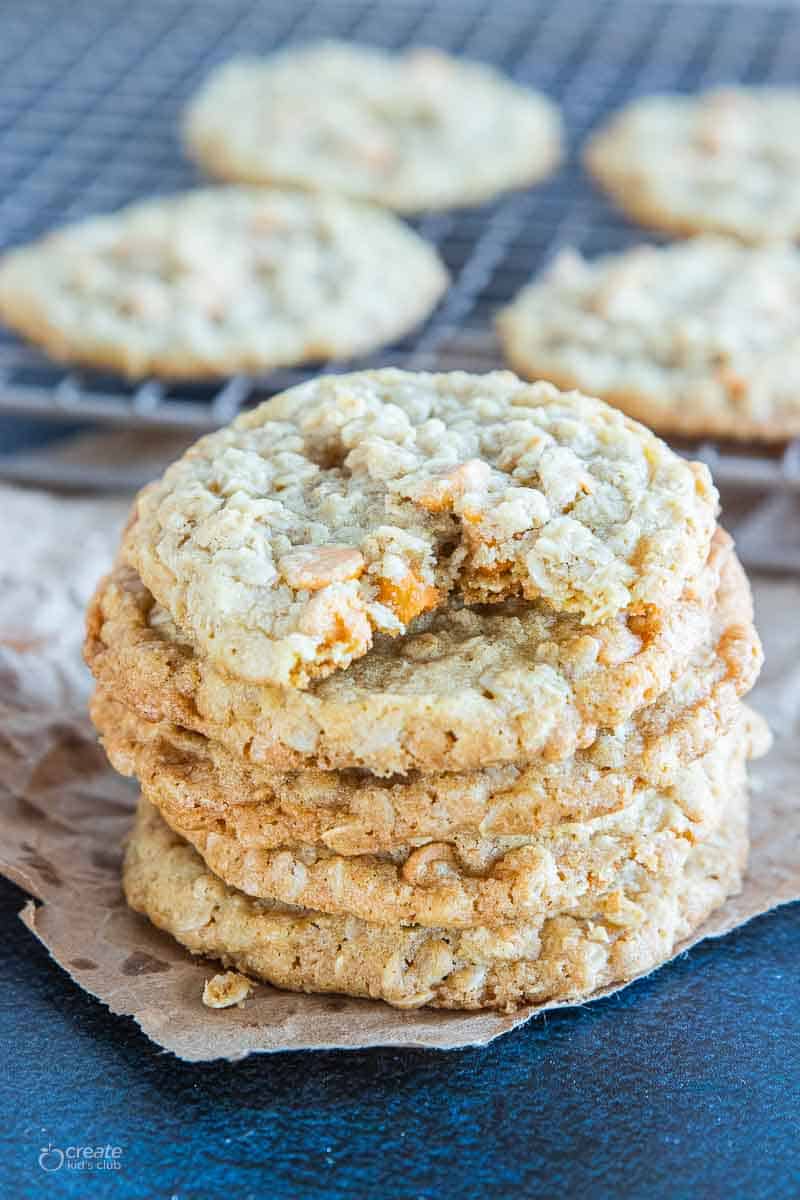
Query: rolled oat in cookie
{"x": 601, "y": 940}
{"x": 217, "y": 281}
{"x": 723, "y": 161}
{"x": 696, "y": 339}
{"x": 412, "y": 131}
{"x": 353, "y": 504}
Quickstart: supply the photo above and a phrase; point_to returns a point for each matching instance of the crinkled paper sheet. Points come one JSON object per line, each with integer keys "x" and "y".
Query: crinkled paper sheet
{"x": 64, "y": 814}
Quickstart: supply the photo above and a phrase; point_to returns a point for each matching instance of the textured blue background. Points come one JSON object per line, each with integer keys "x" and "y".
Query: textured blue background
{"x": 685, "y": 1085}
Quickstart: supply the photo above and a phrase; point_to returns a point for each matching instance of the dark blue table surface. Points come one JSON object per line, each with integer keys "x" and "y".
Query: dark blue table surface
{"x": 686, "y": 1084}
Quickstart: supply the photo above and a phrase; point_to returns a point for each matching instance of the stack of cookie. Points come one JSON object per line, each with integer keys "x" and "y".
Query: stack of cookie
{"x": 433, "y": 687}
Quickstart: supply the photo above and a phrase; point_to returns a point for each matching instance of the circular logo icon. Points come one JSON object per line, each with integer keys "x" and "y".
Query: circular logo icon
{"x": 51, "y": 1158}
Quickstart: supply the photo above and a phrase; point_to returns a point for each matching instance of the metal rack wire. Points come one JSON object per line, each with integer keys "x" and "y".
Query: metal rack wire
{"x": 90, "y": 97}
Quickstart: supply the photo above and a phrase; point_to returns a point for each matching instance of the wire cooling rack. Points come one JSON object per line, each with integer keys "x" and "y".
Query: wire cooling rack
{"x": 90, "y": 97}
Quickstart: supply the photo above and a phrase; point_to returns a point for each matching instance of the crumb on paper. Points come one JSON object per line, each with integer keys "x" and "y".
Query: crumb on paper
{"x": 227, "y": 989}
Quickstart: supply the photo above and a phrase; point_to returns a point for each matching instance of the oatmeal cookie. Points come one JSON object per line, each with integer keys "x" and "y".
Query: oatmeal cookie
{"x": 695, "y": 339}
{"x": 724, "y": 161}
{"x": 199, "y": 784}
{"x": 353, "y": 504}
{"x": 414, "y": 131}
{"x": 472, "y": 880}
{"x": 213, "y": 282}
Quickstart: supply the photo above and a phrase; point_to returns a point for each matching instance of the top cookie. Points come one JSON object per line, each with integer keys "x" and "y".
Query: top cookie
{"x": 697, "y": 338}
{"x": 725, "y": 161}
{"x": 353, "y": 504}
{"x": 414, "y": 131}
{"x": 216, "y": 281}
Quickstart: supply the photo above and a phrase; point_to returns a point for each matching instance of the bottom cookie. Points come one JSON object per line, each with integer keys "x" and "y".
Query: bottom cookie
{"x": 566, "y": 957}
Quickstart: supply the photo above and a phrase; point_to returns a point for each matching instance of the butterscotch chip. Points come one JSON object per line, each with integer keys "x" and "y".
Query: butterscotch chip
{"x": 724, "y": 161}
{"x": 217, "y": 281}
{"x": 628, "y": 931}
{"x": 473, "y": 880}
{"x": 476, "y": 688}
{"x": 694, "y": 339}
{"x": 351, "y": 505}
{"x": 419, "y": 130}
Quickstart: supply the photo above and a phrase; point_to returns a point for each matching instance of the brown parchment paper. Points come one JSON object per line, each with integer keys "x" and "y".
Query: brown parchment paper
{"x": 64, "y": 813}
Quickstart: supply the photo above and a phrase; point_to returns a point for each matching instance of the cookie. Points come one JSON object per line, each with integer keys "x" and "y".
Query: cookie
{"x": 724, "y": 161}
{"x": 473, "y": 880}
{"x": 444, "y": 700}
{"x": 414, "y": 131}
{"x": 199, "y": 784}
{"x": 351, "y": 505}
{"x": 567, "y": 957}
{"x": 349, "y": 812}
{"x": 695, "y": 339}
{"x": 213, "y": 282}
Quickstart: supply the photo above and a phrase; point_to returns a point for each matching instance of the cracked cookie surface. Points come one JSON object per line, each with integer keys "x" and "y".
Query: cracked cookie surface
{"x": 414, "y": 131}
